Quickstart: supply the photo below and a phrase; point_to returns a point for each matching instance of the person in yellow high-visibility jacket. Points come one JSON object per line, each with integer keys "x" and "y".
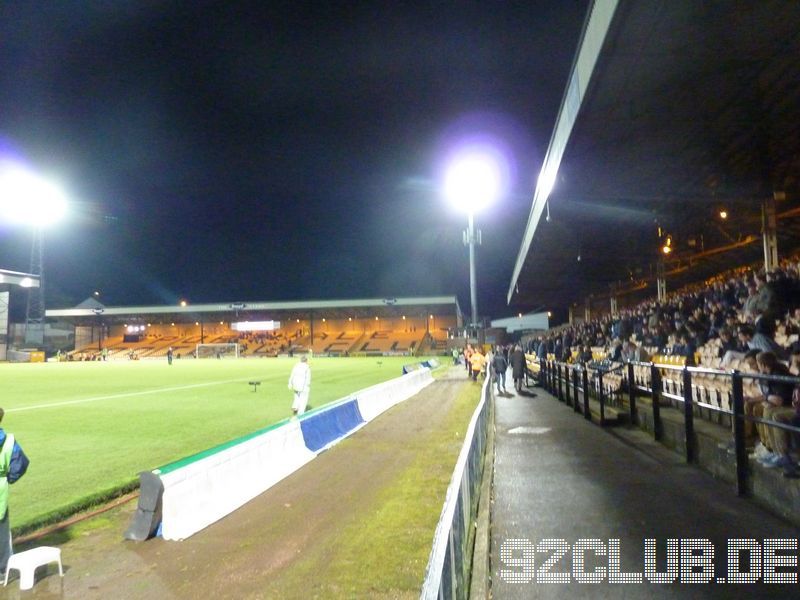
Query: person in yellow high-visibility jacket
{"x": 478, "y": 361}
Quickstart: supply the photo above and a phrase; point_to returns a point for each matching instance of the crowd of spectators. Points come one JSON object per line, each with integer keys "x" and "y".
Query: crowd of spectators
{"x": 752, "y": 316}
{"x": 745, "y": 310}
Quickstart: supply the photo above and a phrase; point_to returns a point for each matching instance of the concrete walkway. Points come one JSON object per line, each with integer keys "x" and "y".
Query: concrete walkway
{"x": 558, "y": 476}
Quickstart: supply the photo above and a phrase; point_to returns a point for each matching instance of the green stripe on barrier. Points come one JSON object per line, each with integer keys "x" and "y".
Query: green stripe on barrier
{"x": 187, "y": 460}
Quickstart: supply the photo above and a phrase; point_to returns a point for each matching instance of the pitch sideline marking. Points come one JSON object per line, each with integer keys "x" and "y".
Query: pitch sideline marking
{"x": 126, "y": 395}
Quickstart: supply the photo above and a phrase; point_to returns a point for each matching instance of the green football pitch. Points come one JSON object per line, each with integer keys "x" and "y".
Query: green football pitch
{"x": 89, "y": 428}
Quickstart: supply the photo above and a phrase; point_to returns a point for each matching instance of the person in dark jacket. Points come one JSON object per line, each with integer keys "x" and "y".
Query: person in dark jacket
{"x": 541, "y": 349}
{"x": 558, "y": 350}
{"x": 517, "y": 361}
{"x": 500, "y": 366}
{"x": 13, "y": 464}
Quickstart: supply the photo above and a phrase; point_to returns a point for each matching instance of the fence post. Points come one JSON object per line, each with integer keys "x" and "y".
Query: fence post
{"x": 688, "y": 414}
{"x": 631, "y": 393}
{"x": 601, "y": 395}
{"x": 575, "y": 386}
{"x": 547, "y": 385}
{"x": 543, "y": 373}
{"x": 558, "y": 382}
{"x": 738, "y": 434}
{"x": 567, "y": 378}
{"x": 655, "y": 390}
{"x": 586, "y": 412}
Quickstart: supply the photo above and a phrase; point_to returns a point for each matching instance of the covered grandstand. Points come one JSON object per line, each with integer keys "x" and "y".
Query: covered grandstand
{"x": 357, "y": 327}
{"x": 669, "y": 186}
{"x": 675, "y": 114}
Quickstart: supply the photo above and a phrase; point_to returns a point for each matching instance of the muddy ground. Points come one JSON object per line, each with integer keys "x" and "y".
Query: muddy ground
{"x": 280, "y": 545}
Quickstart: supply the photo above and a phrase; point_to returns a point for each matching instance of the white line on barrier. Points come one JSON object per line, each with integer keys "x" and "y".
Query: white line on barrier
{"x": 127, "y": 394}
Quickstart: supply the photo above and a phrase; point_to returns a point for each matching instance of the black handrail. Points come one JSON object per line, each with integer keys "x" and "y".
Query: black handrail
{"x": 738, "y": 414}
{"x": 552, "y": 377}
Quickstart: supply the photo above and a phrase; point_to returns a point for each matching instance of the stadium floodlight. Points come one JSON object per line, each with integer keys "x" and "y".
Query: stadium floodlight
{"x": 30, "y": 200}
{"x": 473, "y": 181}
{"x": 26, "y": 199}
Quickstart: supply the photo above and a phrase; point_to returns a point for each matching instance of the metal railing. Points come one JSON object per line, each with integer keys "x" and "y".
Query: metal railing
{"x": 448, "y": 570}
{"x": 552, "y": 379}
{"x": 556, "y": 379}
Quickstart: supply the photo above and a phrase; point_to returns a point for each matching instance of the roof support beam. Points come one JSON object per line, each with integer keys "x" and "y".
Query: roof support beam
{"x": 594, "y": 34}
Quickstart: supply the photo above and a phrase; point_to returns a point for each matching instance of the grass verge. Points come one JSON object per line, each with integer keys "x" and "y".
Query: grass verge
{"x": 382, "y": 550}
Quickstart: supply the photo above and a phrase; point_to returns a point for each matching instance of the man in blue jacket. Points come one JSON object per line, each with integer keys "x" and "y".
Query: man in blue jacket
{"x": 13, "y": 464}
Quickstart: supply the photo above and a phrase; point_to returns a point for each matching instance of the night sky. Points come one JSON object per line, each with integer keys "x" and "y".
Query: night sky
{"x": 226, "y": 151}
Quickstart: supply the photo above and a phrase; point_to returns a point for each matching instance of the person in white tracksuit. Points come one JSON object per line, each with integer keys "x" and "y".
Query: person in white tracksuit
{"x": 300, "y": 384}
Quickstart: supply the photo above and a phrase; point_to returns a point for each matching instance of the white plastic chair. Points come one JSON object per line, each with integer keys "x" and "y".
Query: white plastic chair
{"x": 26, "y": 563}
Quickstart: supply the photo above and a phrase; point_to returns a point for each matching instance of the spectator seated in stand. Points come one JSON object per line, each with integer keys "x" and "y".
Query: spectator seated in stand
{"x": 633, "y": 353}
{"x": 777, "y": 404}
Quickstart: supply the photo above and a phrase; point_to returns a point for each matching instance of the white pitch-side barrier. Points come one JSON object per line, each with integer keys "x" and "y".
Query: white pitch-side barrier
{"x": 206, "y": 487}
{"x": 377, "y": 399}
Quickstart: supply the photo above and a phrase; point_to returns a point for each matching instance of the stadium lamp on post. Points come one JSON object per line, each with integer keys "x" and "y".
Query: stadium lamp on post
{"x": 27, "y": 199}
{"x": 473, "y": 181}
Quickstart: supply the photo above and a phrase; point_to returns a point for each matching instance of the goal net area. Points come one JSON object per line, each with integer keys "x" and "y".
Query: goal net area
{"x": 217, "y": 350}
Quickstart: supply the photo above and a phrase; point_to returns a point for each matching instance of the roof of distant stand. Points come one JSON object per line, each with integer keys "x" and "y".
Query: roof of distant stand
{"x": 673, "y": 111}
{"x": 529, "y": 322}
{"x": 290, "y": 309}
{"x": 26, "y": 280}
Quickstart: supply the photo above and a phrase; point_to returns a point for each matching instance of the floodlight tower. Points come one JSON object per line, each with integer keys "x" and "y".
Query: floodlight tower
{"x": 26, "y": 199}
{"x": 34, "y": 310}
{"x": 473, "y": 181}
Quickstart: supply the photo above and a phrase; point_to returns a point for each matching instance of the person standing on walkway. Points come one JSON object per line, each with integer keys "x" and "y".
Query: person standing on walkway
{"x": 500, "y": 366}
{"x": 517, "y": 361}
{"x": 169, "y": 356}
{"x": 13, "y": 464}
{"x": 300, "y": 384}
{"x": 477, "y": 363}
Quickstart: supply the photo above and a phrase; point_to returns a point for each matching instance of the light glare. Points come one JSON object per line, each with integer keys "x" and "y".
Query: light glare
{"x": 474, "y": 180}
{"x": 29, "y": 200}
{"x": 547, "y": 180}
